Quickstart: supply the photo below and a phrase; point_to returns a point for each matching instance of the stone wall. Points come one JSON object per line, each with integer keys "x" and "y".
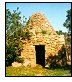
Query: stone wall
{"x": 42, "y": 34}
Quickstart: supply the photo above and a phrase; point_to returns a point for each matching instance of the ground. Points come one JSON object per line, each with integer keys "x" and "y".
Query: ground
{"x": 36, "y": 71}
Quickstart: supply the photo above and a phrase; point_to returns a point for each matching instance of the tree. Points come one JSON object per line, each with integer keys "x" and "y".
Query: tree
{"x": 14, "y": 35}
{"x": 59, "y": 32}
{"x": 67, "y": 22}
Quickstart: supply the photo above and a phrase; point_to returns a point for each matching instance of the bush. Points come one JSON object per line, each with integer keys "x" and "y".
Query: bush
{"x": 9, "y": 59}
{"x": 10, "y": 54}
{"x": 19, "y": 60}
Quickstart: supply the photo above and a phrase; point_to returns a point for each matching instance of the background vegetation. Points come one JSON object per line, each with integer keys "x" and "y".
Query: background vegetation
{"x": 15, "y": 33}
{"x": 67, "y": 24}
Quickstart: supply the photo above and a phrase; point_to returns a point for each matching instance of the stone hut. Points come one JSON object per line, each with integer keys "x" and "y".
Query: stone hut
{"x": 44, "y": 41}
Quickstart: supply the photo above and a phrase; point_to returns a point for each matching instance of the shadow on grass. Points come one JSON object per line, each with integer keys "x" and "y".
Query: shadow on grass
{"x": 66, "y": 67}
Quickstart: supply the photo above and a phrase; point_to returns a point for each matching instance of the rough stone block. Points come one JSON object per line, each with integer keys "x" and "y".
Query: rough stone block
{"x": 16, "y": 64}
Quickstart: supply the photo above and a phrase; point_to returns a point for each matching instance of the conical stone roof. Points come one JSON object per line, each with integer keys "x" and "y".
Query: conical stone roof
{"x": 38, "y": 23}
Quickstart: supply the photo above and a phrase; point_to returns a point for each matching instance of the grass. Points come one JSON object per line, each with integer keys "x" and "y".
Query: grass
{"x": 34, "y": 71}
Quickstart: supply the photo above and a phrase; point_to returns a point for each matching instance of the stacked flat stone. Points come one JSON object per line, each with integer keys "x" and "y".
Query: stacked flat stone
{"x": 53, "y": 42}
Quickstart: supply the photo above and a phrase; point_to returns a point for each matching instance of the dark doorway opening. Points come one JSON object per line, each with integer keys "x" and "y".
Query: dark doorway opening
{"x": 40, "y": 54}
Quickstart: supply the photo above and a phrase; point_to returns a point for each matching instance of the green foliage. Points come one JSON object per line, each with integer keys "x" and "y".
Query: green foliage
{"x": 67, "y": 22}
{"x": 66, "y": 35}
{"x": 18, "y": 59}
{"x": 44, "y": 31}
{"x": 68, "y": 40}
{"x": 14, "y": 35}
{"x": 59, "y": 32}
{"x": 26, "y": 35}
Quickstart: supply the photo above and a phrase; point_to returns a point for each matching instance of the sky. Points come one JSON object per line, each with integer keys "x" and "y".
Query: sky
{"x": 55, "y": 12}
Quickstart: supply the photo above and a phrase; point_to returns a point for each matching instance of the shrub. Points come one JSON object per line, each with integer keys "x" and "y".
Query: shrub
{"x": 15, "y": 33}
{"x": 44, "y": 31}
{"x": 18, "y": 59}
{"x": 9, "y": 59}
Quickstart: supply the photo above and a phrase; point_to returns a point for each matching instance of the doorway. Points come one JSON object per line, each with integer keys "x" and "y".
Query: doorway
{"x": 40, "y": 54}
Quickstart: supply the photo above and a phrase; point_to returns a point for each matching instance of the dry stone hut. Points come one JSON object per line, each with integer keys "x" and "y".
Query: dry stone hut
{"x": 43, "y": 43}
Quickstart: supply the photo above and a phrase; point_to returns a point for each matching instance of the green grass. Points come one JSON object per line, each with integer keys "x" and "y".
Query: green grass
{"x": 33, "y": 71}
